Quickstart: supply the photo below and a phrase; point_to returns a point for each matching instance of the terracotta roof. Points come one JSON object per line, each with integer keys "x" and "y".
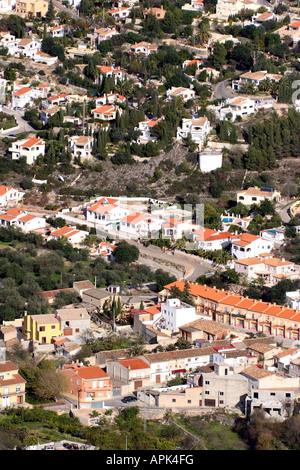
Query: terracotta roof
{"x": 134, "y": 363}
{"x": 91, "y": 373}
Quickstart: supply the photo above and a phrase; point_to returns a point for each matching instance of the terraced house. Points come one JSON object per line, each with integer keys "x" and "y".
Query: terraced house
{"x": 236, "y": 310}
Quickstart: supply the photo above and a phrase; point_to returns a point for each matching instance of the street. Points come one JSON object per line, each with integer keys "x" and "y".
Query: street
{"x": 24, "y": 126}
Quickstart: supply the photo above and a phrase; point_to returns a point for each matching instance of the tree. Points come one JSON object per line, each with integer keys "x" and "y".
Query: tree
{"x": 126, "y": 253}
{"x": 50, "y": 385}
{"x": 50, "y": 15}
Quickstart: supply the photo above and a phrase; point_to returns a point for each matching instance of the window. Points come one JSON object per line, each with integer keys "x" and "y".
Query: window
{"x": 288, "y": 395}
{"x": 255, "y": 395}
{"x": 221, "y": 393}
{"x": 52, "y": 327}
{"x": 206, "y": 382}
{"x": 189, "y": 401}
{"x": 173, "y": 400}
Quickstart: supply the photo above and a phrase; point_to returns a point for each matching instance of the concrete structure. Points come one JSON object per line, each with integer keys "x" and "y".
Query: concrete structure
{"x": 133, "y": 372}
{"x": 73, "y": 321}
{"x": 31, "y": 8}
{"x": 210, "y": 160}
{"x": 81, "y": 146}
{"x": 176, "y": 313}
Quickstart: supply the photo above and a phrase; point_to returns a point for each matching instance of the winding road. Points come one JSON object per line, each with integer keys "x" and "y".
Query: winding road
{"x": 24, "y": 126}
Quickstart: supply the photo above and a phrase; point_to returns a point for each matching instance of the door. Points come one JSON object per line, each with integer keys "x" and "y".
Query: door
{"x": 5, "y": 401}
{"x": 158, "y": 379}
{"x": 138, "y": 384}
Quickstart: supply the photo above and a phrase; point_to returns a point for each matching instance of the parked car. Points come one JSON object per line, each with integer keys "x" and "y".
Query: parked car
{"x": 129, "y": 399}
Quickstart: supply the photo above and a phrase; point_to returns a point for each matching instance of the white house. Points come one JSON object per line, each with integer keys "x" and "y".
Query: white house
{"x": 145, "y": 130}
{"x": 31, "y": 149}
{"x": 293, "y": 299}
{"x": 81, "y": 146}
{"x": 119, "y": 13}
{"x": 21, "y": 97}
{"x": 58, "y": 31}
{"x": 210, "y": 240}
{"x": 105, "y": 211}
{"x": 140, "y": 225}
{"x": 275, "y": 234}
{"x": 271, "y": 270}
{"x": 7, "y": 5}
{"x": 248, "y": 245}
{"x": 73, "y": 235}
{"x": 210, "y": 159}
{"x": 239, "y": 106}
{"x": 46, "y": 114}
{"x": 186, "y": 93}
{"x": 255, "y": 79}
{"x": 195, "y": 5}
{"x": 177, "y": 228}
{"x": 176, "y": 313}
{"x": 109, "y": 99}
{"x": 197, "y": 128}
{"x": 255, "y": 195}
{"x": 104, "y": 250}
{"x": 144, "y": 48}
{"x": 103, "y": 34}
{"x": 9, "y": 194}
{"x": 15, "y": 217}
{"x": 187, "y": 63}
{"x": 110, "y": 72}
{"x": 107, "y": 112}
{"x": 27, "y": 47}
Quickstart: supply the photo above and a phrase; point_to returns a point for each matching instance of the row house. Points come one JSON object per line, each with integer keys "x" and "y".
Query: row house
{"x": 132, "y": 372}
{"x": 19, "y": 218}
{"x": 9, "y": 195}
{"x": 89, "y": 386}
{"x": 30, "y": 149}
{"x": 105, "y": 211}
{"x": 185, "y": 93}
{"x": 197, "y": 128}
{"x": 236, "y": 310}
{"x": 12, "y": 385}
{"x": 81, "y": 146}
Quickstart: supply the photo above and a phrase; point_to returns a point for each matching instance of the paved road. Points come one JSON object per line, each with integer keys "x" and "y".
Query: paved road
{"x": 222, "y": 91}
{"x": 282, "y": 209}
{"x": 24, "y": 126}
{"x": 61, "y": 7}
{"x": 193, "y": 268}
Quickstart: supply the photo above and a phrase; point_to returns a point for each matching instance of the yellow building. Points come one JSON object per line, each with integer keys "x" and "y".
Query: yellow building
{"x": 12, "y": 385}
{"x": 31, "y": 8}
{"x": 41, "y": 328}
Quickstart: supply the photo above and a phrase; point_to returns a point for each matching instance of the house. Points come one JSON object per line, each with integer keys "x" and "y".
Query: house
{"x": 175, "y": 313}
{"x": 73, "y": 321}
{"x": 7, "y": 5}
{"x": 81, "y": 146}
{"x": 31, "y": 8}
{"x": 210, "y": 159}
{"x": 110, "y": 72}
{"x": 140, "y": 225}
{"x": 293, "y": 299}
{"x": 255, "y": 195}
{"x": 56, "y": 100}
{"x": 88, "y": 385}
{"x": 144, "y": 127}
{"x": 133, "y": 372}
{"x": 12, "y": 385}
{"x": 46, "y": 114}
{"x": 276, "y": 403}
{"x": 226, "y": 8}
{"x": 161, "y": 366}
{"x": 109, "y": 99}
{"x": 43, "y": 58}
{"x": 203, "y": 329}
{"x": 71, "y": 234}
{"x": 144, "y": 48}
{"x": 21, "y": 97}
{"x": 104, "y": 34}
{"x": 58, "y": 31}
{"x": 186, "y": 93}
{"x": 176, "y": 228}
{"x": 291, "y": 30}
{"x": 27, "y": 47}
{"x": 19, "y": 218}
{"x": 195, "y": 5}
{"x": 248, "y": 245}
{"x": 41, "y": 328}
{"x": 197, "y": 128}
{"x": 191, "y": 62}
{"x": 30, "y": 149}
{"x": 106, "y": 113}
{"x": 237, "y": 107}
{"x": 159, "y": 13}
{"x": 119, "y": 13}
{"x": 9, "y": 195}
{"x": 255, "y": 79}
{"x": 104, "y": 250}
{"x": 105, "y": 211}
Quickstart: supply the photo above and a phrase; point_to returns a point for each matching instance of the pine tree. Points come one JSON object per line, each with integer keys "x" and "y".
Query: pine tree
{"x": 50, "y": 15}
